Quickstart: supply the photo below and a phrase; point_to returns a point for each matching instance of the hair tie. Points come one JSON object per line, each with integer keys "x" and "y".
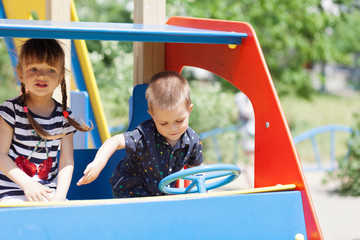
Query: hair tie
{"x": 66, "y": 114}
{"x": 26, "y": 109}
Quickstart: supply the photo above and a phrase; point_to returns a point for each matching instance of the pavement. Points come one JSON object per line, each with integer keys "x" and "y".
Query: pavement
{"x": 339, "y": 216}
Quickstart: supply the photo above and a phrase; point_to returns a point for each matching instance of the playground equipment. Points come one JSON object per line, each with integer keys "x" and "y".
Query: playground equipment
{"x": 279, "y": 207}
{"x": 311, "y": 135}
{"x": 198, "y": 176}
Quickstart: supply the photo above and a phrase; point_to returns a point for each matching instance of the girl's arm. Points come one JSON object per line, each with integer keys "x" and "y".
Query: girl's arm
{"x": 94, "y": 168}
{"x": 66, "y": 167}
{"x": 33, "y": 190}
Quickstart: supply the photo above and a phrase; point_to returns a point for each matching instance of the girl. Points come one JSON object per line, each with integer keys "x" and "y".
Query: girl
{"x": 33, "y": 125}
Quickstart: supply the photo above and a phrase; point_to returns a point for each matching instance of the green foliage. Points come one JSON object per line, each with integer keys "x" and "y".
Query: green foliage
{"x": 292, "y": 34}
{"x": 229, "y": 147}
{"x": 212, "y": 107}
{"x": 112, "y": 61}
{"x": 114, "y": 80}
{"x": 347, "y": 30}
{"x": 349, "y": 166}
{"x": 8, "y": 88}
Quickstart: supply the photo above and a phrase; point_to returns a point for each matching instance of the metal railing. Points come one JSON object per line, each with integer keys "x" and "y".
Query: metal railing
{"x": 310, "y": 135}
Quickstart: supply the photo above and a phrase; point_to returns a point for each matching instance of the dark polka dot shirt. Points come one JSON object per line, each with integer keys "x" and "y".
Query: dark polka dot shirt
{"x": 150, "y": 158}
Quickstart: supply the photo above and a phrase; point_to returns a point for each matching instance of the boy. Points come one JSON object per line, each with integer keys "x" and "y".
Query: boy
{"x": 157, "y": 147}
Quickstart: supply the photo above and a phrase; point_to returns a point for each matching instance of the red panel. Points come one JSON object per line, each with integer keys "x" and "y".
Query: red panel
{"x": 276, "y": 160}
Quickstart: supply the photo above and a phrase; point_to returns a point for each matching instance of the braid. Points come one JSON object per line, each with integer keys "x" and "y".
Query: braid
{"x": 64, "y": 94}
{"x": 81, "y": 127}
{"x": 23, "y": 91}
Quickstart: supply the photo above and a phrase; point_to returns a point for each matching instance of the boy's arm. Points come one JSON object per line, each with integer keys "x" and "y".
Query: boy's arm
{"x": 66, "y": 168}
{"x": 94, "y": 168}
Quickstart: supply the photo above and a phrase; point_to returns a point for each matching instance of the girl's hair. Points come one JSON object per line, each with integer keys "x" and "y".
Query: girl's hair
{"x": 49, "y": 51}
{"x": 167, "y": 90}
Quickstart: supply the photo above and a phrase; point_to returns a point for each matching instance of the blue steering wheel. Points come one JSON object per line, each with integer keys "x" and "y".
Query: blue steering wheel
{"x": 198, "y": 176}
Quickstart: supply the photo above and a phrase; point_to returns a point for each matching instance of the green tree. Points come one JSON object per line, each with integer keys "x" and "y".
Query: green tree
{"x": 349, "y": 166}
{"x": 292, "y": 34}
{"x": 112, "y": 61}
{"x": 345, "y": 38}
{"x": 8, "y": 85}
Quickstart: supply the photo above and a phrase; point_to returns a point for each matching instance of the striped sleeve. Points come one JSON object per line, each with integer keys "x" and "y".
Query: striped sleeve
{"x": 7, "y": 112}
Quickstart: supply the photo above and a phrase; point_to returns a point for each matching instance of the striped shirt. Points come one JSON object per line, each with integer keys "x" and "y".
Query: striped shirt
{"x": 25, "y": 140}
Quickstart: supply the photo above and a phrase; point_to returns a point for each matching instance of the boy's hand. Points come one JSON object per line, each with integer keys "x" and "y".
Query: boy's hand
{"x": 36, "y": 192}
{"x": 91, "y": 172}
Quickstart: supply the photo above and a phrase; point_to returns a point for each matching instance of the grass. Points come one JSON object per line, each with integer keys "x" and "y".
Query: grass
{"x": 324, "y": 109}
{"x": 301, "y": 115}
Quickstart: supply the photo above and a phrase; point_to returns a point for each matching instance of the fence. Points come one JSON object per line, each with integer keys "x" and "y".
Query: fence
{"x": 310, "y": 135}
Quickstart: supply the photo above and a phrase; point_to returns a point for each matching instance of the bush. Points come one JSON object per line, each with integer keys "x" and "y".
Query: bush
{"x": 8, "y": 85}
{"x": 214, "y": 107}
{"x": 349, "y": 166}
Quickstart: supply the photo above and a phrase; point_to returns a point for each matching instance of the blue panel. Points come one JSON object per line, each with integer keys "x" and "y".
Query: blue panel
{"x": 80, "y": 108}
{"x": 114, "y": 31}
{"x": 98, "y": 189}
{"x": 9, "y": 41}
{"x": 138, "y": 107}
{"x": 76, "y": 69}
{"x": 2, "y": 10}
{"x": 80, "y": 84}
{"x": 252, "y": 217}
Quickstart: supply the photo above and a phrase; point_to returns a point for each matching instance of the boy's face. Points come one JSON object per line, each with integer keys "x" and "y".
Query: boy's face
{"x": 172, "y": 124}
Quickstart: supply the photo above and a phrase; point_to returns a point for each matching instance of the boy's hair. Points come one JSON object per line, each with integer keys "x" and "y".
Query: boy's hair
{"x": 49, "y": 51}
{"x": 167, "y": 90}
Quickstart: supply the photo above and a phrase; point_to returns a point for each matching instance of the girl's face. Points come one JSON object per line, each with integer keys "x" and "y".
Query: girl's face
{"x": 40, "y": 79}
{"x": 172, "y": 124}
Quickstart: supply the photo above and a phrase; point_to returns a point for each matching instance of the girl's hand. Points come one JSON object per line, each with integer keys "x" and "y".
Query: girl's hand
{"x": 91, "y": 172}
{"x": 36, "y": 192}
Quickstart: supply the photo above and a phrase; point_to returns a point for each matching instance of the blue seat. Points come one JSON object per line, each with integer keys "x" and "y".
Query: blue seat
{"x": 98, "y": 189}
{"x": 138, "y": 107}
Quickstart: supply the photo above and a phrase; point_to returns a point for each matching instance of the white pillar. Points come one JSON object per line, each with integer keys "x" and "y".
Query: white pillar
{"x": 57, "y": 10}
{"x": 149, "y": 58}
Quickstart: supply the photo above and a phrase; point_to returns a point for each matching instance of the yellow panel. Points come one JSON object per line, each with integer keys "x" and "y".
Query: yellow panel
{"x": 90, "y": 82}
{"x": 21, "y": 9}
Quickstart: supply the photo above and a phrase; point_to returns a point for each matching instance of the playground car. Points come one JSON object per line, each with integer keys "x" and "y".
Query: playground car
{"x": 279, "y": 207}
